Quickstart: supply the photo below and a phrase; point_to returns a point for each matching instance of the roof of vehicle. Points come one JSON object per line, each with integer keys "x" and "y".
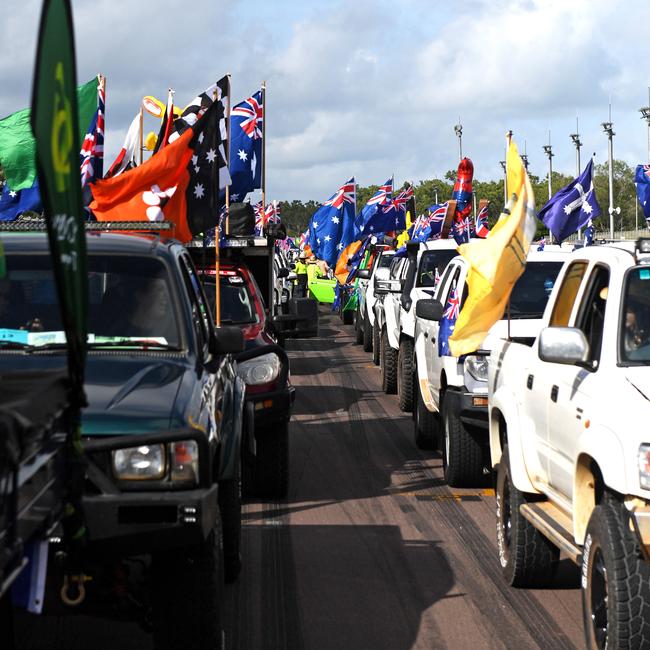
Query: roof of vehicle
{"x": 438, "y": 244}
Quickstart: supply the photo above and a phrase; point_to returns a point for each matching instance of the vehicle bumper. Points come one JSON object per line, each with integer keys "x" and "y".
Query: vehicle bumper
{"x": 272, "y": 407}
{"x": 471, "y": 408}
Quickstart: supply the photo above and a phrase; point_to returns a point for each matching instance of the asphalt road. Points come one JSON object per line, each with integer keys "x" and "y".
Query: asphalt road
{"x": 371, "y": 549}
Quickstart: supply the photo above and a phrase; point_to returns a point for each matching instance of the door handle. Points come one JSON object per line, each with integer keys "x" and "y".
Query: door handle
{"x": 529, "y": 382}
{"x": 554, "y": 391}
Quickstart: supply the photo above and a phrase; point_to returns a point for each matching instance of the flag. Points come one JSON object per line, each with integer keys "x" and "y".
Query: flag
{"x": 331, "y": 227}
{"x": 448, "y": 322}
{"x": 272, "y": 213}
{"x": 462, "y": 192}
{"x": 92, "y": 149}
{"x": 13, "y": 203}
{"x": 429, "y": 226}
{"x": 572, "y": 207}
{"x": 193, "y": 112}
{"x": 344, "y": 263}
{"x": 174, "y": 185}
{"x": 166, "y": 125}
{"x": 390, "y": 215}
{"x": 246, "y": 120}
{"x": 461, "y": 229}
{"x": 589, "y": 233}
{"x": 258, "y": 209}
{"x": 304, "y": 238}
{"x": 17, "y": 144}
{"x": 481, "y": 226}
{"x": 126, "y": 159}
{"x": 495, "y": 263}
{"x": 381, "y": 197}
{"x": 541, "y": 244}
{"x": 642, "y": 182}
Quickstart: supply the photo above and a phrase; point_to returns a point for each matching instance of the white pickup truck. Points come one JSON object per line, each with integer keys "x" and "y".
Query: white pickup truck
{"x": 569, "y": 439}
{"x": 452, "y": 392}
{"x": 425, "y": 265}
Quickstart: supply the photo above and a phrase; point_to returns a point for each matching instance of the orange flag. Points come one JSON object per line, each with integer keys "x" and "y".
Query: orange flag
{"x": 342, "y": 270}
{"x": 153, "y": 191}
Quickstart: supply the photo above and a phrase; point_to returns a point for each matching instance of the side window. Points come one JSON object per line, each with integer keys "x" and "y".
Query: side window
{"x": 200, "y": 313}
{"x": 567, "y": 294}
{"x": 443, "y": 282}
{"x": 453, "y": 284}
{"x": 591, "y": 314}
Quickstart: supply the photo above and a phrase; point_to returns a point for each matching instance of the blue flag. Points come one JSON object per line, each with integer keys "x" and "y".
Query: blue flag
{"x": 381, "y": 197}
{"x": 390, "y": 216}
{"x": 13, "y": 203}
{"x": 642, "y": 182}
{"x": 246, "y": 121}
{"x": 571, "y": 207}
{"x": 448, "y": 322}
{"x": 429, "y": 226}
{"x": 589, "y": 233}
{"x": 331, "y": 227}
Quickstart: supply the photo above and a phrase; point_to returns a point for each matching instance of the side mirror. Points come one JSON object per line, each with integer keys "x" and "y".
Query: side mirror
{"x": 429, "y": 309}
{"x": 566, "y": 345}
{"x": 364, "y": 274}
{"x": 283, "y": 272}
{"x": 227, "y": 340}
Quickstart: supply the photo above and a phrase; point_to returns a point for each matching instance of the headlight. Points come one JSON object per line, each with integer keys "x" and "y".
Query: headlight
{"x": 477, "y": 367}
{"x": 261, "y": 370}
{"x": 185, "y": 461}
{"x": 146, "y": 462}
{"x": 644, "y": 466}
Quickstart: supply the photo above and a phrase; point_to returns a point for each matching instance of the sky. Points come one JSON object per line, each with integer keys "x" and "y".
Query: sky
{"x": 369, "y": 88}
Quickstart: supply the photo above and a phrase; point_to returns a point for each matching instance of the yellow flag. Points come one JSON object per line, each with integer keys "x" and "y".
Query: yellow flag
{"x": 496, "y": 262}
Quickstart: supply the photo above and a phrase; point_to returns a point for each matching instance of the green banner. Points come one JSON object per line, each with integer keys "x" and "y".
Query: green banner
{"x": 55, "y": 126}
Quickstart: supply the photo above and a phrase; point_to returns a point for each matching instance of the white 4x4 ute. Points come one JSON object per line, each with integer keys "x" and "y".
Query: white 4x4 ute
{"x": 569, "y": 436}
{"x": 424, "y": 266}
{"x": 452, "y": 392}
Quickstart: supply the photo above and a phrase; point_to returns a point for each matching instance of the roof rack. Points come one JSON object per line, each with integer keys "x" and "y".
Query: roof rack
{"x": 38, "y": 225}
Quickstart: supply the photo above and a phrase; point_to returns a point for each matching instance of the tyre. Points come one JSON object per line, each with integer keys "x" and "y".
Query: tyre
{"x": 527, "y": 558}
{"x": 367, "y": 332}
{"x": 405, "y": 370}
{"x": 187, "y": 587}
{"x": 347, "y": 316}
{"x": 272, "y": 462}
{"x": 615, "y": 582}
{"x": 425, "y": 423}
{"x": 230, "y": 509}
{"x": 462, "y": 453}
{"x": 376, "y": 344}
{"x": 358, "y": 328}
{"x": 388, "y": 366}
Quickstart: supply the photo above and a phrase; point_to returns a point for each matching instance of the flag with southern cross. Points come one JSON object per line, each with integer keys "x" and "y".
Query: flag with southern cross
{"x": 428, "y": 226}
{"x": 13, "y": 203}
{"x": 481, "y": 229}
{"x": 381, "y": 197}
{"x": 391, "y": 215}
{"x": 331, "y": 227}
{"x": 572, "y": 207}
{"x": 246, "y": 119}
{"x": 642, "y": 182}
{"x": 92, "y": 148}
{"x": 448, "y": 322}
{"x": 462, "y": 192}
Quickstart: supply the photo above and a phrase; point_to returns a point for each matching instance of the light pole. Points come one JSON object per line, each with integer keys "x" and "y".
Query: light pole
{"x": 609, "y": 130}
{"x": 575, "y": 138}
{"x": 458, "y": 130}
{"x": 436, "y": 192}
{"x": 645, "y": 115}
{"x": 548, "y": 150}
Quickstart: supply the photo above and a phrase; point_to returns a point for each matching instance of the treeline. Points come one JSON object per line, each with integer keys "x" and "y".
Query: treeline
{"x": 296, "y": 214}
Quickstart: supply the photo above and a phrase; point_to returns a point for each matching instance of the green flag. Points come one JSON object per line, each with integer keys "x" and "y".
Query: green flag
{"x": 55, "y": 125}
{"x": 17, "y": 146}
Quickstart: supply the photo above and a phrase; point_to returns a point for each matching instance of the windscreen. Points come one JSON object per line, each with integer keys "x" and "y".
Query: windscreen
{"x": 129, "y": 303}
{"x": 237, "y": 306}
{"x": 634, "y": 329}
{"x": 532, "y": 290}
{"x": 432, "y": 264}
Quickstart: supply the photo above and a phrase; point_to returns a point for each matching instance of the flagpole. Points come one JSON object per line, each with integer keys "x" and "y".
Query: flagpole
{"x": 263, "y": 152}
{"x": 228, "y": 151}
{"x": 215, "y": 200}
{"x": 141, "y": 132}
{"x": 548, "y": 150}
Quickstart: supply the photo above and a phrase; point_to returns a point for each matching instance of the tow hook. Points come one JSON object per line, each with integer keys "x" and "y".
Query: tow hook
{"x": 79, "y": 587}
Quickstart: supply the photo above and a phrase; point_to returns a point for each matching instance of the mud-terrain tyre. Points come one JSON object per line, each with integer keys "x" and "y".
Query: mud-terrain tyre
{"x": 405, "y": 371}
{"x": 426, "y": 425}
{"x": 527, "y": 558}
{"x": 388, "y": 366}
{"x": 376, "y": 344}
{"x": 347, "y": 316}
{"x": 230, "y": 508}
{"x": 272, "y": 462}
{"x": 358, "y": 328}
{"x": 615, "y": 582}
{"x": 367, "y": 332}
{"x": 462, "y": 452}
{"x": 187, "y": 586}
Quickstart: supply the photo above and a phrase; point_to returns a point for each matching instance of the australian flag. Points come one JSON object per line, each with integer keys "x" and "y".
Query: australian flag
{"x": 448, "y": 322}
{"x": 331, "y": 227}
{"x": 246, "y": 120}
{"x": 571, "y": 207}
{"x": 390, "y": 216}
{"x": 460, "y": 229}
{"x": 13, "y": 203}
{"x": 429, "y": 226}
{"x": 381, "y": 197}
{"x": 642, "y": 182}
{"x": 481, "y": 229}
{"x": 92, "y": 149}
